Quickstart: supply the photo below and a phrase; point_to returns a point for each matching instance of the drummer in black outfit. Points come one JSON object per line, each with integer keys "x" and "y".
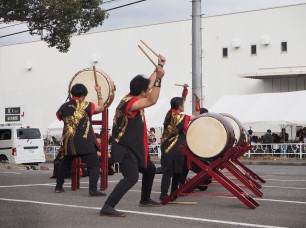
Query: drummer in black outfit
{"x": 173, "y": 161}
{"x": 130, "y": 142}
{"x": 78, "y": 136}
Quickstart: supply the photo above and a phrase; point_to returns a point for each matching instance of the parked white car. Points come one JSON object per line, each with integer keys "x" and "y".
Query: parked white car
{"x": 21, "y": 145}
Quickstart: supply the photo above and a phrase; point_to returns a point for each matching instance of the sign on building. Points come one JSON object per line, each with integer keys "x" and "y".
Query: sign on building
{"x": 12, "y": 114}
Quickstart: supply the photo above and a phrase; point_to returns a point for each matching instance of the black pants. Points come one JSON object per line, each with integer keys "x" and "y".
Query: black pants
{"x": 93, "y": 168}
{"x": 172, "y": 168}
{"x": 184, "y": 175}
{"x": 130, "y": 171}
{"x": 111, "y": 167}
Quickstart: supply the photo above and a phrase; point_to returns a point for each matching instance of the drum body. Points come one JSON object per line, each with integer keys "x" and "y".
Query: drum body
{"x": 209, "y": 135}
{"x": 86, "y": 77}
{"x": 238, "y": 128}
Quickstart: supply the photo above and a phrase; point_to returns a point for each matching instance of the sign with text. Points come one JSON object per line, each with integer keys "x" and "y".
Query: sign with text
{"x": 12, "y": 118}
{"x": 12, "y": 111}
{"x": 12, "y": 114}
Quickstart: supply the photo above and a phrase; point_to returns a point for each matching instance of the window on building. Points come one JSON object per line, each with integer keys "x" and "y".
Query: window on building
{"x": 284, "y": 46}
{"x": 253, "y": 50}
{"x": 224, "y": 53}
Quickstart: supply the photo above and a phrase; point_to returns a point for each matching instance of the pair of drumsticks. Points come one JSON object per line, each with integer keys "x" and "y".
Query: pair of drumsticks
{"x": 146, "y": 54}
{"x": 94, "y": 68}
{"x": 150, "y": 57}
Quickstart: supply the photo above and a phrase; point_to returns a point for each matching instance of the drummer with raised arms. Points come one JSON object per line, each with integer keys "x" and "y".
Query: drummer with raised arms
{"x": 173, "y": 161}
{"x": 130, "y": 142}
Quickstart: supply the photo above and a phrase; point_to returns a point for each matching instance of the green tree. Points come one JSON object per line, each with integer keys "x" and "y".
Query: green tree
{"x": 55, "y": 20}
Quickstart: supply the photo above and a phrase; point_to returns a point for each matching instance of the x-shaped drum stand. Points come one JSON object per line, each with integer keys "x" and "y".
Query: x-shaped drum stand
{"x": 229, "y": 161}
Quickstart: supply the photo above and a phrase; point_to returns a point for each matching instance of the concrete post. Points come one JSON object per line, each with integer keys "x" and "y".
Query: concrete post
{"x": 196, "y": 52}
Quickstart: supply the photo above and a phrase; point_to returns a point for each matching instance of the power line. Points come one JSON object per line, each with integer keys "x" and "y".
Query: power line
{"x": 110, "y": 1}
{"x": 15, "y": 33}
{"x": 13, "y": 25}
{"x": 132, "y": 3}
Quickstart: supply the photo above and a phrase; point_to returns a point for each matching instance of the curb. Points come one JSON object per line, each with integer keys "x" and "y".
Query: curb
{"x": 21, "y": 167}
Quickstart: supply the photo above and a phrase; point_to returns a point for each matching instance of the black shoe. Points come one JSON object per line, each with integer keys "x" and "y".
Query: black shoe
{"x": 59, "y": 190}
{"x": 110, "y": 211}
{"x": 163, "y": 196}
{"x": 96, "y": 193}
{"x": 149, "y": 203}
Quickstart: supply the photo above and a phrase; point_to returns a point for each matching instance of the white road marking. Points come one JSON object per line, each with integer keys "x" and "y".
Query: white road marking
{"x": 232, "y": 197}
{"x": 24, "y": 185}
{"x": 155, "y": 192}
{"x": 47, "y": 184}
{"x": 11, "y": 172}
{"x": 296, "y": 188}
{"x": 283, "y": 180}
{"x": 281, "y": 201}
{"x": 148, "y": 214}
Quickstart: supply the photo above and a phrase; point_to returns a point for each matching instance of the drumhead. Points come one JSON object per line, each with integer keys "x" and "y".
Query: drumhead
{"x": 209, "y": 135}
{"x": 86, "y": 77}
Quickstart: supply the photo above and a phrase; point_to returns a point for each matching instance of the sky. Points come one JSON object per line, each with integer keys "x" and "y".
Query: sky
{"x": 154, "y": 11}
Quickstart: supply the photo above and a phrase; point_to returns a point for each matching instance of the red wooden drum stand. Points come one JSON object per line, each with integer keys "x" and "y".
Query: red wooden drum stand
{"x": 249, "y": 176}
{"x": 214, "y": 169}
{"x": 249, "y": 172}
{"x": 76, "y": 164}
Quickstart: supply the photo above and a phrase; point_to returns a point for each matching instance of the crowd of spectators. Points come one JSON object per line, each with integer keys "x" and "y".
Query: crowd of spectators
{"x": 301, "y": 135}
{"x": 270, "y": 137}
{"x": 281, "y": 137}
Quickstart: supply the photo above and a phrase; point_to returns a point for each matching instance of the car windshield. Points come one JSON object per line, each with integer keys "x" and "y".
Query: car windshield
{"x": 28, "y": 133}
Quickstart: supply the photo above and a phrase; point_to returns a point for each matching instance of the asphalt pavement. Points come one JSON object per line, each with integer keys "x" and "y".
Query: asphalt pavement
{"x": 27, "y": 199}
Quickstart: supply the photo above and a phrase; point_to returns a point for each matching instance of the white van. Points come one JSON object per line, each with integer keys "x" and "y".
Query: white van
{"x": 21, "y": 145}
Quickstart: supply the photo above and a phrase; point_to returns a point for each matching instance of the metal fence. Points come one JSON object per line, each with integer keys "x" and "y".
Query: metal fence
{"x": 155, "y": 150}
{"x": 53, "y": 150}
{"x": 294, "y": 150}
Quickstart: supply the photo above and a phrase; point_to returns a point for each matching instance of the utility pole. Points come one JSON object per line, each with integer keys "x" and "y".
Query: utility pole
{"x": 196, "y": 52}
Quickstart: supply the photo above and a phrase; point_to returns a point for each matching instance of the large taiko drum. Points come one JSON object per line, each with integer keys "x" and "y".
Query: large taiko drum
{"x": 86, "y": 77}
{"x": 209, "y": 135}
{"x": 238, "y": 128}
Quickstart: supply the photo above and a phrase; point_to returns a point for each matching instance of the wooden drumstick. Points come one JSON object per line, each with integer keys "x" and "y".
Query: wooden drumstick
{"x": 149, "y": 48}
{"x": 147, "y": 56}
{"x": 181, "y": 85}
{"x": 95, "y": 75}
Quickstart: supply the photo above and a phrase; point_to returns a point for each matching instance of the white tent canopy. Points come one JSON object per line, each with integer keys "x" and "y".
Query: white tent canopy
{"x": 265, "y": 109}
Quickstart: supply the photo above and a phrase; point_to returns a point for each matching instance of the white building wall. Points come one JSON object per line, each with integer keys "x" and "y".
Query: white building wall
{"x": 279, "y": 24}
{"x": 41, "y": 90}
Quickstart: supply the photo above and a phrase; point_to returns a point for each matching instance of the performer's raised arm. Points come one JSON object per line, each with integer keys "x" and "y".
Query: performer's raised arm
{"x": 100, "y": 107}
{"x": 185, "y": 92}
